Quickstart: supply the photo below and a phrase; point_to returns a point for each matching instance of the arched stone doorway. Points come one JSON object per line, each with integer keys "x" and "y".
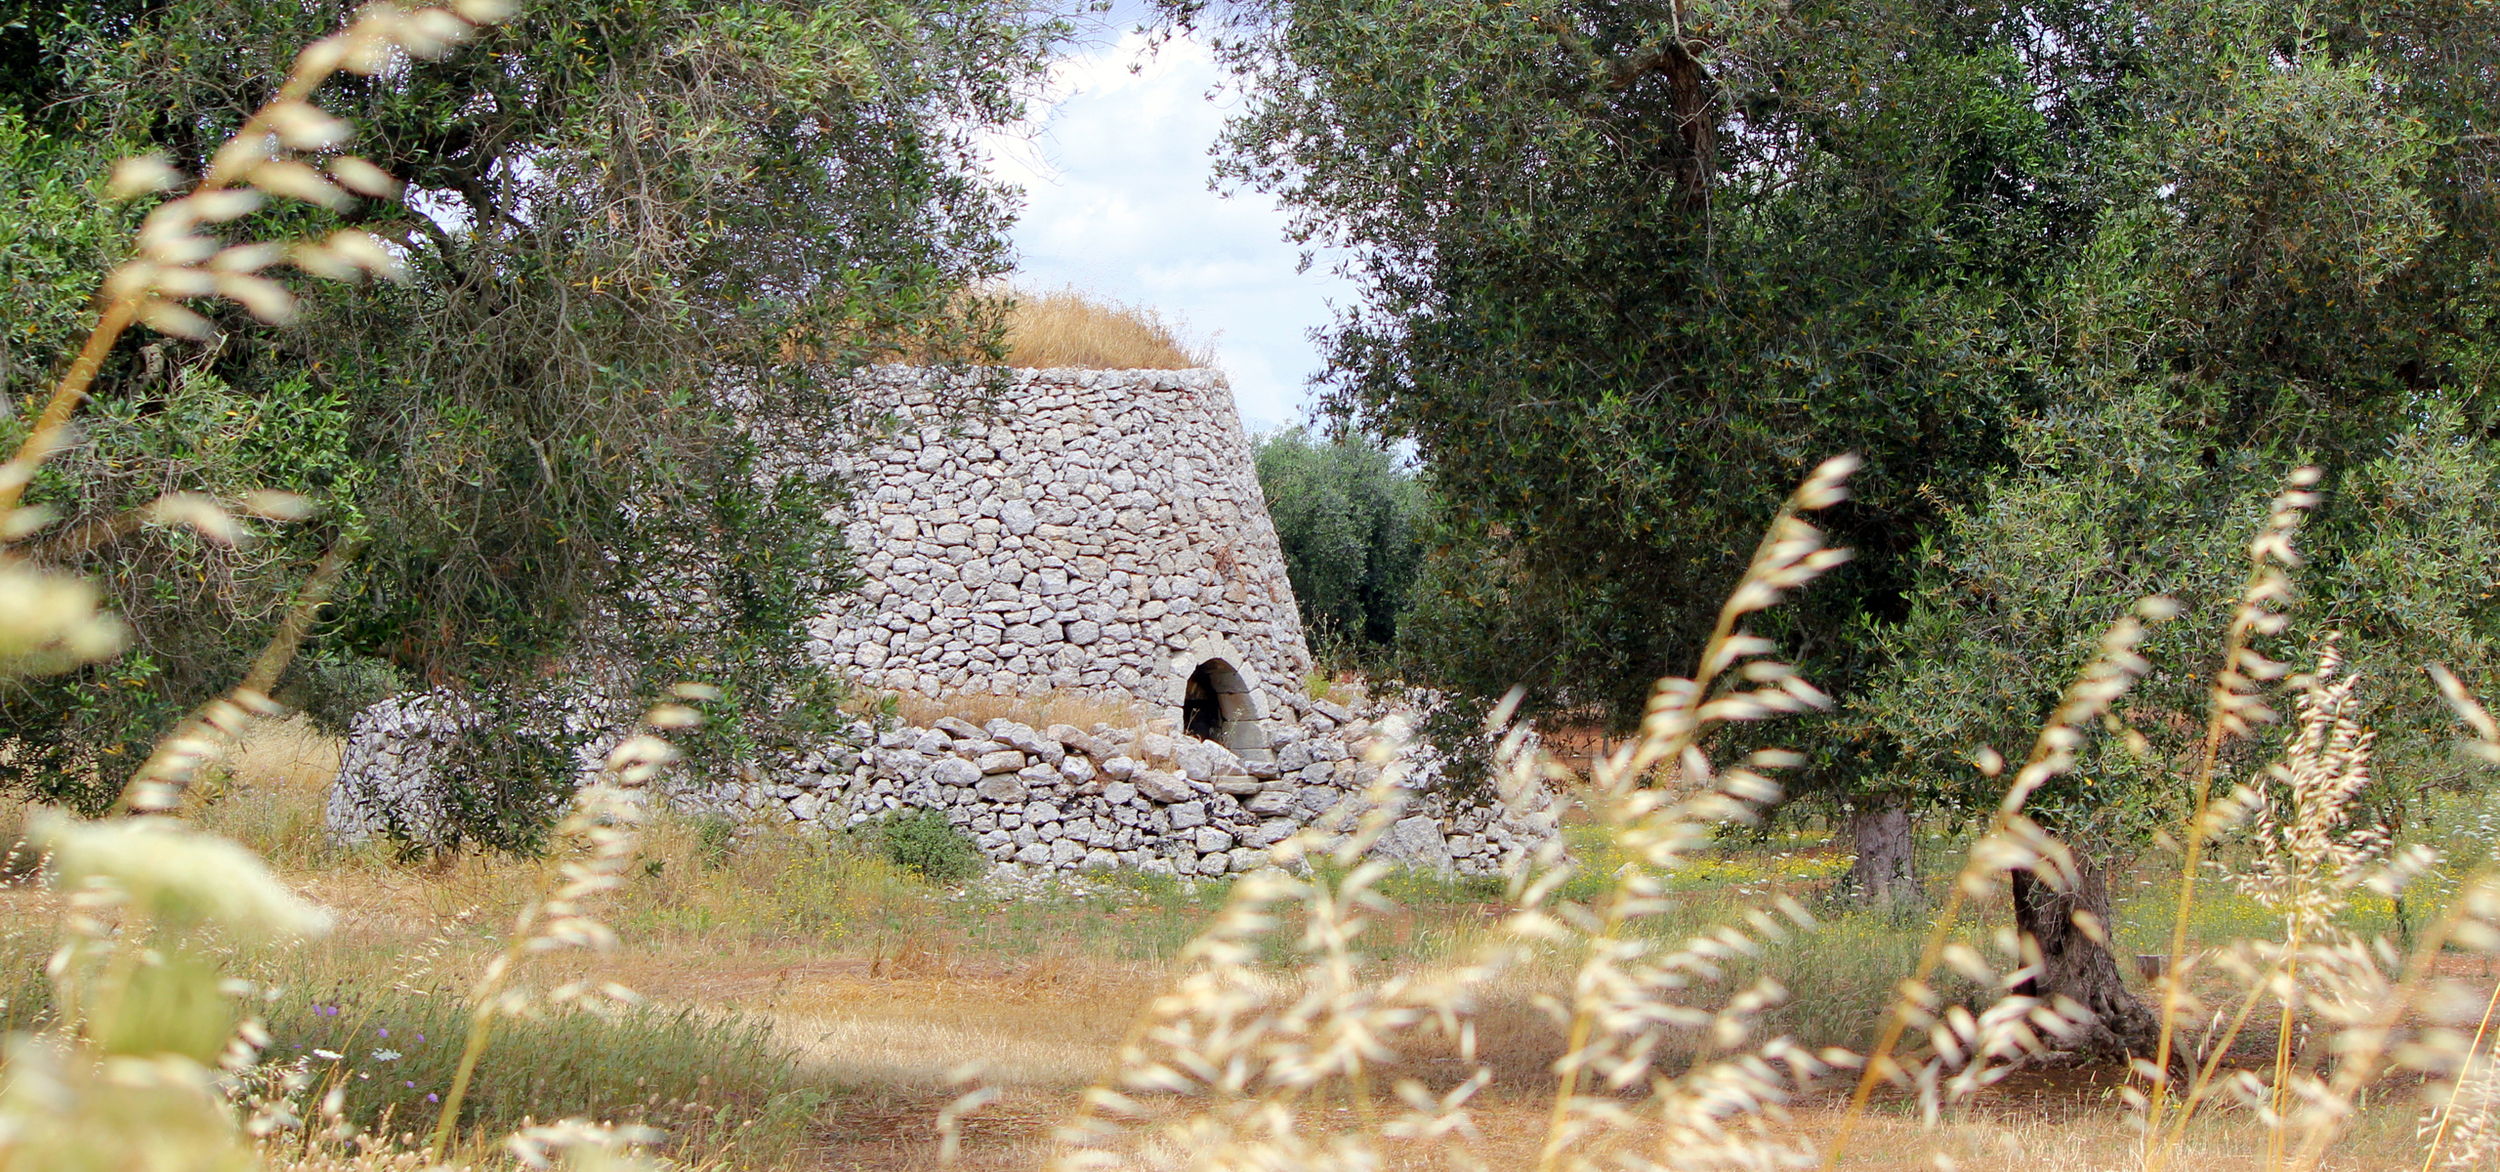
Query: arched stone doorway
{"x": 1216, "y": 705}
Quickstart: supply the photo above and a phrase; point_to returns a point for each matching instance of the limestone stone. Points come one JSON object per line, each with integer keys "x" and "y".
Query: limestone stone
{"x": 1269, "y": 804}
{"x": 1160, "y": 786}
{"x": 1002, "y": 787}
{"x": 1077, "y": 740}
{"x": 1415, "y": 842}
{"x": 1002, "y": 761}
{"x": 1204, "y": 760}
{"x": 1025, "y": 739}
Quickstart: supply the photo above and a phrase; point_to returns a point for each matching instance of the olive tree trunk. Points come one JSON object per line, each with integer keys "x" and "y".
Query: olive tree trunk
{"x": 2076, "y": 963}
{"x": 1884, "y": 872}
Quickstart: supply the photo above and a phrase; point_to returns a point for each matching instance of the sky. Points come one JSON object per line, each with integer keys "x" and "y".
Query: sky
{"x": 1114, "y": 166}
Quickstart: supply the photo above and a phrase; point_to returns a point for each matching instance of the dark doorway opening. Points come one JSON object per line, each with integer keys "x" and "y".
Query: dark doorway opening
{"x": 1202, "y": 716}
{"x": 1213, "y": 701}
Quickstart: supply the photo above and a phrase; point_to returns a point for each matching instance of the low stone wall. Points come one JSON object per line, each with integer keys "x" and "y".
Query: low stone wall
{"x": 1055, "y": 798}
{"x": 390, "y": 782}
{"x": 1092, "y": 799}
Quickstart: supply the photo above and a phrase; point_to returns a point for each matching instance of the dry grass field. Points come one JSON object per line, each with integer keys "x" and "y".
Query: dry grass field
{"x": 867, "y": 997}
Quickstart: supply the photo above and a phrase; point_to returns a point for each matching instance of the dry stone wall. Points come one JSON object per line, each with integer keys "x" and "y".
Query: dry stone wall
{"x": 1069, "y": 799}
{"x": 1097, "y": 531}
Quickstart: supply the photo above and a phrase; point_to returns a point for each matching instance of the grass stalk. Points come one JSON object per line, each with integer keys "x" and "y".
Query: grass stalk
{"x": 482, "y": 1009}
{"x": 2228, "y": 712}
{"x": 67, "y": 394}
{"x": 2364, "y": 1059}
{"x": 2448, "y": 1111}
{"x": 127, "y": 301}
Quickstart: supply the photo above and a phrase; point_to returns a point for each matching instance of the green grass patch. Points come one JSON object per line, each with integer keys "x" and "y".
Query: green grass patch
{"x": 715, "y": 1083}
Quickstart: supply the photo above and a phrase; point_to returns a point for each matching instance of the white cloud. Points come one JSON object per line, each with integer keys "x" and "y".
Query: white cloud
{"x": 1115, "y": 171}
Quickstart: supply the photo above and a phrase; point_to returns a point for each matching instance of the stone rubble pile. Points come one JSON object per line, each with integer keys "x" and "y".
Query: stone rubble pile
{"x": 391, "y": 782}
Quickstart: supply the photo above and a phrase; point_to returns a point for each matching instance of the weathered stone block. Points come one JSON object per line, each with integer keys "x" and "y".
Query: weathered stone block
{"x": 1002, "y": 787}
{"x": 1160, "y": 786}
{"x": 1415, "y": 842}
{"x": 1269, "y": 804}
{"x": 1205, "y": 760}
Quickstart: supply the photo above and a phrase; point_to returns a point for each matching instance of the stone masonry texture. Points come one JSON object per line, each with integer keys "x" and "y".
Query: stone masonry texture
{"x": 1099, "y": 531}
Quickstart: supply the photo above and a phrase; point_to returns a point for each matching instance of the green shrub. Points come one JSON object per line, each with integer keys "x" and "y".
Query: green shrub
{"x": 714, "y": 836}
{"x": 332, "y": 687}
{"x": 924, "y": 843}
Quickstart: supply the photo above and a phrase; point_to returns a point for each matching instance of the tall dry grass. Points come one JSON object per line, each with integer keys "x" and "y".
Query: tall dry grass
{"x": 150, "y": 1052}
{"x": 268, "y": 789}
{"x": 1072, "y": 327}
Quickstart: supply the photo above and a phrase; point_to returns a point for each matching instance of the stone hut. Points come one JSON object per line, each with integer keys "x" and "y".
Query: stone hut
{"x": 1088, "y": 530}
{"x": 1070, "y": 531}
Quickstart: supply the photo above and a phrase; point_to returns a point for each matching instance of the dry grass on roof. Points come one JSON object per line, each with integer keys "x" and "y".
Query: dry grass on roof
{"x": 1071, "y": 327}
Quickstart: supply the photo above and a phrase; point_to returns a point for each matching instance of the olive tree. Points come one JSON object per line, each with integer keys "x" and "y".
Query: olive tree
{"x": 2079, "y": 281}
{"x": 606, "y": 209}
{"x": 1351, "y": 522}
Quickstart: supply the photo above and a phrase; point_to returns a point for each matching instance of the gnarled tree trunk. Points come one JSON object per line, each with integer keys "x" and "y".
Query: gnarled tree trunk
{"x": 2075, "y": 965}
{"x": 1884, "y": 872}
